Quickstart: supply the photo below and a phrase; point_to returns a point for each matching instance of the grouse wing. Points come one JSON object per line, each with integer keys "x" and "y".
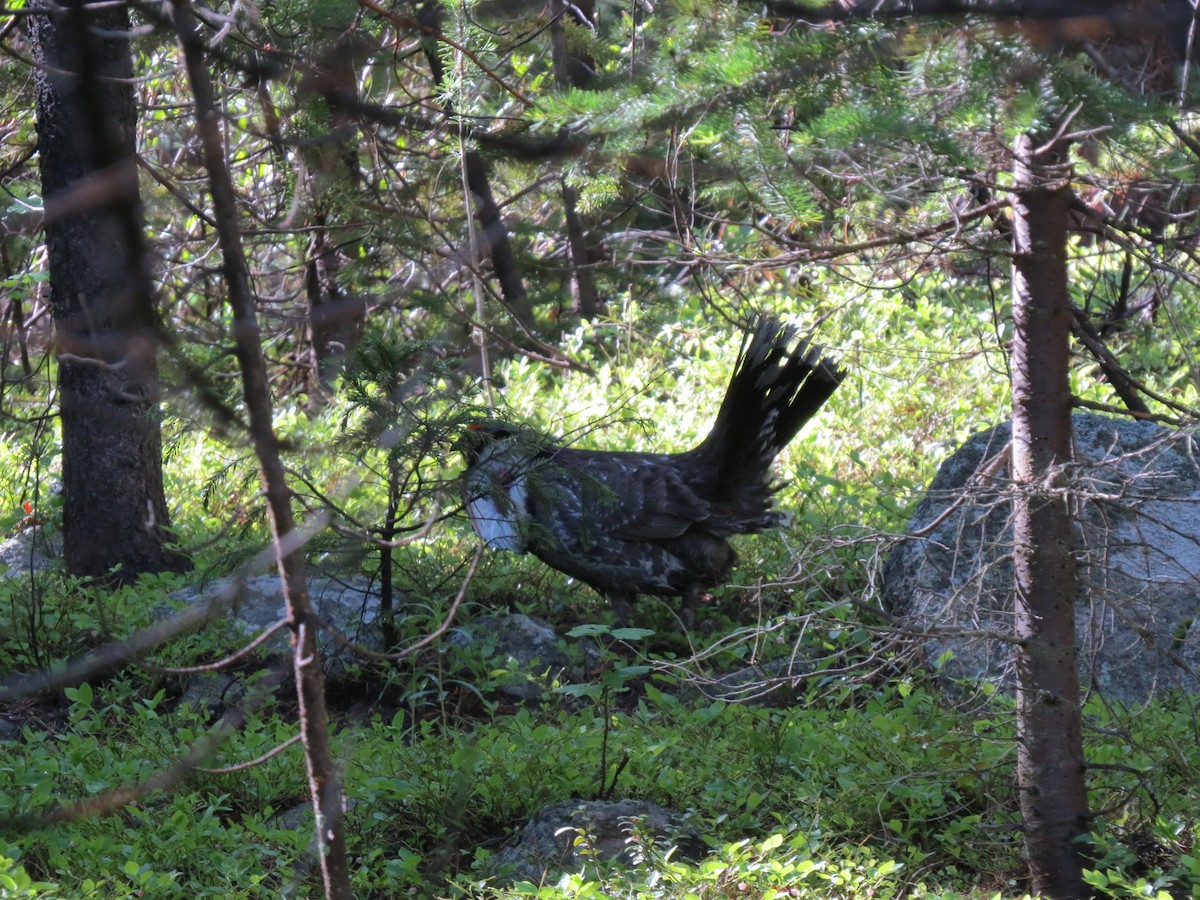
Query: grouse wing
{"x": 630, "y": 496}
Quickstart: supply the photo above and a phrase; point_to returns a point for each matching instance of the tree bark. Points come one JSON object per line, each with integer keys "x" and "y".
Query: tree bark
{"x": 574, "y": 70}
{"x": 495, "y": 233}
{"x": 324, "y": 786}
{"x": 1050, "y": 761}
{"x": 114, "y": 508}
{"x": 336, "y": 312}
{"x": 505, "y": 265}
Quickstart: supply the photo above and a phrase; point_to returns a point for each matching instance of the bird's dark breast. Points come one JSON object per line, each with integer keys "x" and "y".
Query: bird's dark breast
{"x": 663, "y": 568}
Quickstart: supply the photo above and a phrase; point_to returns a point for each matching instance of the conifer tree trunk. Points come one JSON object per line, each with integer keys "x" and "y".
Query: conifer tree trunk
{"x": 336, "y": 312}
{"x": 574, "y": 70}
{"x": 324, "y": 783}
{"x": 1050, "y": 761}
{"x": 495, "y": 235}
{"x": 102, "y": 302}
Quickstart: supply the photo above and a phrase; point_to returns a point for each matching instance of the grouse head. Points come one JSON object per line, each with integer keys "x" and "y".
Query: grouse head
{"x": 481, "y": 440}
{"x": 499, "y": 457}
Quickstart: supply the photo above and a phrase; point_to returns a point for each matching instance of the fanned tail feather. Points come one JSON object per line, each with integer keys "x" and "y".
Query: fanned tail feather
{"x": 778, "y": 384}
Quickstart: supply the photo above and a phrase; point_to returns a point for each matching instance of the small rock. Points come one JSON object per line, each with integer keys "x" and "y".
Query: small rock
{"x": 30, "y": 550}
{"x": 9, "y": 730}
{"x": 212, "y": 691}
{"x": 348, "y": 605}
{"x": 530, "y": 652}
{"x": 548, "y": 846}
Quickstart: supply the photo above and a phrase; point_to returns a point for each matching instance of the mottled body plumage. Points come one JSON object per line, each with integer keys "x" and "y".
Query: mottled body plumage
{"x": 651, "y": 523}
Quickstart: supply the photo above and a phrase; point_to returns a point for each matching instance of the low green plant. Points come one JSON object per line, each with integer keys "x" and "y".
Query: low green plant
{"x": 1149, "y": 863}
{"x": 15, "y": 883}
{"x": 862, "y": 789}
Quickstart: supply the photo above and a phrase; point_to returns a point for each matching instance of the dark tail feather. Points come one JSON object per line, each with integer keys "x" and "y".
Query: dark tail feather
{"x": 775, "y": 389}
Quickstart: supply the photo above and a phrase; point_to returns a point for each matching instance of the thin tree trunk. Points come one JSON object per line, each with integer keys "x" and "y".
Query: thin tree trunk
{"x": 324, "y": 786}
{"x": 1050, "y": 761}
{"x": 336, "y": 313}
{"x": 504, "y": 259}
{"x": 114, "y": 508}
{"x": 574, "y": 70}
{"x": 587, "y": 299}
{"x": 495, "y": 233}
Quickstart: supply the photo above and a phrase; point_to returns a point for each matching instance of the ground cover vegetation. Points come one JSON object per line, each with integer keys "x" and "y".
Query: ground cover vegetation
{"x": 564, "y": 215}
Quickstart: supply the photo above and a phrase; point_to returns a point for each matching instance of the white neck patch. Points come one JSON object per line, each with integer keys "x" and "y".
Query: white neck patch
{"x": 499, "y": 528}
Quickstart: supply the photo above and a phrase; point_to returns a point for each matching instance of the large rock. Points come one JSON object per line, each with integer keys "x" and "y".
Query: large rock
{"x": 349, "y": 605}
{"x": 1136, "y": 489}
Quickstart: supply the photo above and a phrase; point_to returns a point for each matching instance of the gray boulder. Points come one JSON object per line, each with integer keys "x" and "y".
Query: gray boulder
{"x": 529, "y": 653}
{"x": 566, "y": 836}
{"x": 1136, "y": 489}
{"x": 29, "y": 550}
{"x": 348, "y": 605}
